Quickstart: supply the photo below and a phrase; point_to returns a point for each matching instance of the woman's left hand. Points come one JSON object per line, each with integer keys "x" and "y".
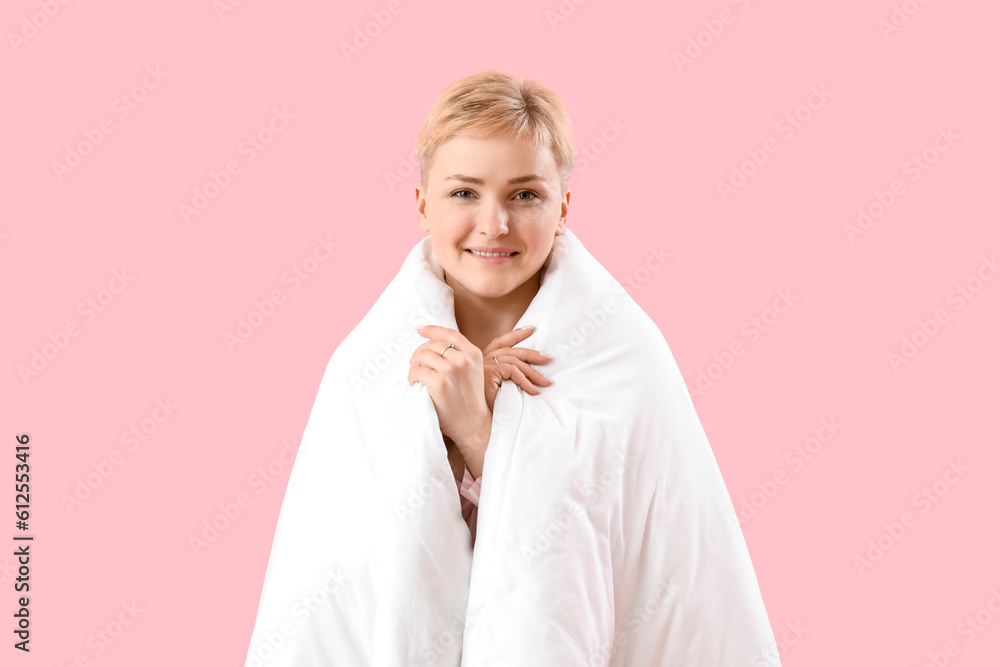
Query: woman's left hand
{"x": 456, "y": 384}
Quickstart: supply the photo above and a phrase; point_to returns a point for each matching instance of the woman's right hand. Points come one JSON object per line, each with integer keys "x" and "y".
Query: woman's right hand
{"x": 512, "y": 363}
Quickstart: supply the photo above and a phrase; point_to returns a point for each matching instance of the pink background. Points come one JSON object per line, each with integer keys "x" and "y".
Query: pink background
{"x": 651, "y": 183}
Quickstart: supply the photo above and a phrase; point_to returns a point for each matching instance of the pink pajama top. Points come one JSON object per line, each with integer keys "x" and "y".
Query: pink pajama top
{"x": 469, "y": 491}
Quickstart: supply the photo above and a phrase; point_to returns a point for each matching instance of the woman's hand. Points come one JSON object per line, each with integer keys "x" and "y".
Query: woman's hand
{"x": 456, "y": 386}
{"x": 512, "y": 363}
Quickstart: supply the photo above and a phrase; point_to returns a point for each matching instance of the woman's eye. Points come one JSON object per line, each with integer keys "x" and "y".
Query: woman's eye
{"x": 458, "y": 193}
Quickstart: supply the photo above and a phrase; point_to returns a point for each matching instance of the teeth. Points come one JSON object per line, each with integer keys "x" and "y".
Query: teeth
{"x": 491, "y": 254}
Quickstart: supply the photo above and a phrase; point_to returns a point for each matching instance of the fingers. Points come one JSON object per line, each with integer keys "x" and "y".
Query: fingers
{"x": 531, "y": 356}
{"x": 430, "y": 359}
{"x": 520, "y": 380}
{"x": 443, "y": 333}
{"x": 425, "y": 352}
{"x": 523, "y": 353}
{"x": 453, "y": 360}
{"x": 437, "y": 334}
{"x": 417, "y": 374}
{"x": 509, "y": 339}
{"x": 516, "y": 364}
{"x": 526, "y": 370}
{"x": 510, "y": 372}
{"x": 522, "y": 357}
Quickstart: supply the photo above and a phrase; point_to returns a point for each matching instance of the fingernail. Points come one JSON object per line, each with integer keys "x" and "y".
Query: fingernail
{"x": 526, "y": 328}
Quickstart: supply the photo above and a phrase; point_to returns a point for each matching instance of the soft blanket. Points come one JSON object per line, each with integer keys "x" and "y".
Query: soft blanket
{"x": 605, "y": 533}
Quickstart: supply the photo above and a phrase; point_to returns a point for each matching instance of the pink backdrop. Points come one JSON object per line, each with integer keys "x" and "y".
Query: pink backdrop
{"x": 201, "y": 199}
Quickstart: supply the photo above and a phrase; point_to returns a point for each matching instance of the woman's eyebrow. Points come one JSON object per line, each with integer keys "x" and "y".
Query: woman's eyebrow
{"x": 479, "y": 181}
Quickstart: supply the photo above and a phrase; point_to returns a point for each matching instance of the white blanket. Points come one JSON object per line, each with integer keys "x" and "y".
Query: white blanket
{"x": 605, "y": 533}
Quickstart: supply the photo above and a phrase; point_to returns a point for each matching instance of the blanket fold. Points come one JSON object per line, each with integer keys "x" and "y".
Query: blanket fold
{"x": 605, "y": 536}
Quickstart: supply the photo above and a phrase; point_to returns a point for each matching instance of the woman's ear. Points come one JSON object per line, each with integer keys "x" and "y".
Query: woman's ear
{"x": 421, "y": 211}
{"x": 561, "y": 226}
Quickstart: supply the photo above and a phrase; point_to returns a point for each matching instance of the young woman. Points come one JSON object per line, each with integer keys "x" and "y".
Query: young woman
{"x": 495, "y": 158}
{"x": 602, "y": 533}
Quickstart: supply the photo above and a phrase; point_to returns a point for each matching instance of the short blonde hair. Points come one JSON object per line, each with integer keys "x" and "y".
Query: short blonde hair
{"x": 492, "y": 105}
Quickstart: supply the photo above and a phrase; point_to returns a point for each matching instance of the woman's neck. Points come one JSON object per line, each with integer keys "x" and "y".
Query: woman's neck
{"x": 482, "y": 319}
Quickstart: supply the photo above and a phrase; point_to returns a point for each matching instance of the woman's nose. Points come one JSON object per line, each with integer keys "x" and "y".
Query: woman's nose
{"x": 492, "y": 219}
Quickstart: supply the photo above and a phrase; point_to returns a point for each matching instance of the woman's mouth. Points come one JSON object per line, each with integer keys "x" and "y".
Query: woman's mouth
{"x": 492, "y": 257}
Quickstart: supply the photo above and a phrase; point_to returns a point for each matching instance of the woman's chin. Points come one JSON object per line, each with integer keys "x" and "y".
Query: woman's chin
{"x": 485, "y": 286}
{"x": 487, "y": 289}
{"x": 491, "y": 292}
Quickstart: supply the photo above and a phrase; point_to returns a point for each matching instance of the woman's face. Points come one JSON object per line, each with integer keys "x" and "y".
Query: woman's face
{"x": 492, "y": 193}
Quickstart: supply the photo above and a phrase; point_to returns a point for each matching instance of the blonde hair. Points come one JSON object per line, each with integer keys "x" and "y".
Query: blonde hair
{"x": 498, "y": 105}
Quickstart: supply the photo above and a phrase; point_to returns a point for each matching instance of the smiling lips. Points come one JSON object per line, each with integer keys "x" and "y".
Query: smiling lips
{"x": 491, "y": 255}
